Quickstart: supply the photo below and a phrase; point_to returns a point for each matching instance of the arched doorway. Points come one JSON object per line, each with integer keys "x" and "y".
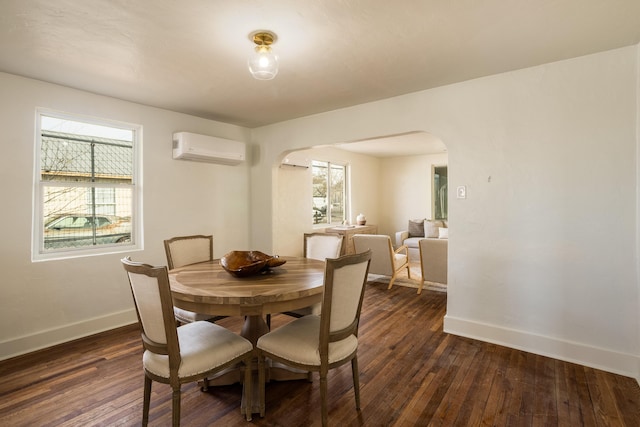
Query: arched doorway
{"x": 389, "y": 181}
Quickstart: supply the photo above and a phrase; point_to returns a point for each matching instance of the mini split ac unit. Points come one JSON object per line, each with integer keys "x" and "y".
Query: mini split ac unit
{"x": 203, "y": 148}
{"x": 295, "y": 163}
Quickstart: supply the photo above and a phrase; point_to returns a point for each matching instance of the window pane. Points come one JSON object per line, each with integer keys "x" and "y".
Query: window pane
{"x": 87, "y": 186}
{"x": 83, "y": 128}
{"x": 105, "y": 201}
{"x": 337, "y": 194}
{"x": 70, "y": 222}
{"x": 320, "y": 191}
{"x": 67, "y": 157}
{"x": 329, "y": 193}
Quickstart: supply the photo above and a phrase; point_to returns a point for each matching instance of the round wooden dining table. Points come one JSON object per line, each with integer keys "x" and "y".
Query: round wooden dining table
{"x": 209, "y": 289}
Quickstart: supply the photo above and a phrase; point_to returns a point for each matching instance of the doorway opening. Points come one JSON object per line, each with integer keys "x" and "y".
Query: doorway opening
{"x": 440, "y": 205}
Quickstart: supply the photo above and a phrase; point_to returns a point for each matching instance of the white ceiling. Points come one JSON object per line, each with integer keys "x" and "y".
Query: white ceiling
{"x": 190, "y": 56}
{"x": 409, "y": 144}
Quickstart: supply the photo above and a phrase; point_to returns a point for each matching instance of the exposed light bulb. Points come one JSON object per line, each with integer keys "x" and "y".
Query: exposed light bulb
{"x": 263, "y": 63}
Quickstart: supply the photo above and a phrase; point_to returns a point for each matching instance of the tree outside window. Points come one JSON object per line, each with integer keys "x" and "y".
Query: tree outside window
{"x": 329, "y": 192}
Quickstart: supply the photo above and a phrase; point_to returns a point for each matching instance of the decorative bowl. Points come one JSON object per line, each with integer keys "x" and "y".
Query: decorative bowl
{"x": 249, "y": 263}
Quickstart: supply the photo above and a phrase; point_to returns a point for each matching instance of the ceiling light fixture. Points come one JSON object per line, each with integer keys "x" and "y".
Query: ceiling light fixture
{"x": 263, "y": 64}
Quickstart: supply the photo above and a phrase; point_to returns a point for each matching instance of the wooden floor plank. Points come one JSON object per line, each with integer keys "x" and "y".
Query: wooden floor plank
{"x": 502, "y": 389}
{"x": 451, "y": 406}
{"x": 411, "y": 373}
{"x": 626, "y": 399}
{"x": 584, "y": 400}
{"x": 545, "y": 399}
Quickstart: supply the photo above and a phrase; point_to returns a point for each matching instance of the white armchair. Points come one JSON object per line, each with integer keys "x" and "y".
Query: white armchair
{"x": 433, "y": 261}
{"x": 384, "y": 260}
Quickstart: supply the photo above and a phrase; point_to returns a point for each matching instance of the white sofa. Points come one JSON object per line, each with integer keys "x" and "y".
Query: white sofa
{"x": 402, "y": 238}
{"x": 420, "y": 229}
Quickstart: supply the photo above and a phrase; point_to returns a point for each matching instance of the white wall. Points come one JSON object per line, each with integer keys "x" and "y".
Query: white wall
{"x": 542, "y": 253}
{"x": 54, "y": 301}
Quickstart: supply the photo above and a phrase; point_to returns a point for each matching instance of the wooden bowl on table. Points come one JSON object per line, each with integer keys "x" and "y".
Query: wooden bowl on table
{"x": 249, "y": 263}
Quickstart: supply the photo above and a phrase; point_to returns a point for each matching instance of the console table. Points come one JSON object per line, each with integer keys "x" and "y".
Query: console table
{"x": 348, "y": 231}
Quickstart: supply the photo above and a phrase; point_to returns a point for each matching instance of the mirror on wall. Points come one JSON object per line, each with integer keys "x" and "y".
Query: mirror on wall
{"x": 439, "y": 199}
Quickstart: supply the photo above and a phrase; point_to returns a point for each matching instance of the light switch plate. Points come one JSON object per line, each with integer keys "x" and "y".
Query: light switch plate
{"x": 461, "y": 192}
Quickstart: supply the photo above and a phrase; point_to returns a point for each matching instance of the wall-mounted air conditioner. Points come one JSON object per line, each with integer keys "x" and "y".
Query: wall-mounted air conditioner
{"x": 203, "y": 148}
{"x": 294, "y": 162}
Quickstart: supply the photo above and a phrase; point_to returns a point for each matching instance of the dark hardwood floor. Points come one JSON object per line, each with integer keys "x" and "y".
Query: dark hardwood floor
{"x": 411, "y": 373}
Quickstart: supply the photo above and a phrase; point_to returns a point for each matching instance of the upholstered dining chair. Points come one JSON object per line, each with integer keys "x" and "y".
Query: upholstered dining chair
{"x": 433, "y": 261}
{"x": 176, "y": 355}
{"x": 318, "y": 246}
{"x": 185, "y": 250}
{"x": 322, "y": 245}
{"x": 384, "y": 260}
{"x": 320, "y": 343}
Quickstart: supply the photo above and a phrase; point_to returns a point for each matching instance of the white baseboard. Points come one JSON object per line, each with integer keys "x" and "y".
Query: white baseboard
{"x": 48, "y": 338}
{"x": 598, "y": 358}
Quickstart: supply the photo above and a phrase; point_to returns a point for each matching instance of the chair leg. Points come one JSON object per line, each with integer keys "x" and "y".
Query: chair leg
{"x": 176, "y": 407}
{"x": 409, "y": 270}
{"x": 323, "y": 398}
{"x": 145, "y": 401}
{"x": 420, "y": 287}
{"x": 356, "y": 380}
{"x": 248, "y": 388}
{"x": 393, "y": 278}
{"x": 261, "y": 382}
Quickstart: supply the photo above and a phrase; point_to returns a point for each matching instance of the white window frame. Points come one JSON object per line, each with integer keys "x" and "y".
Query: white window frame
{"x": 347, "y": 193}
{"x": 38, "y": 253}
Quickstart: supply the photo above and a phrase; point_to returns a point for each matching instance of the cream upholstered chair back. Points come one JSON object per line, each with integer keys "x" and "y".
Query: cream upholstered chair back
{"x": 345, "y": 280}
{"x": 322, "y": 245}
{"x": 185, "y": 250}
{"x": 433, "y": 260}
{"x": 154, "y": 306}
{"x": 382, "y": 255}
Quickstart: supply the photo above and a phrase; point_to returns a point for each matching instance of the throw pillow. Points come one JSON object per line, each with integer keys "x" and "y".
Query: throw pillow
{"x": 431, "y": 228}
{"x": 416, "y": 228}
{"x": 443, "y": 233}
